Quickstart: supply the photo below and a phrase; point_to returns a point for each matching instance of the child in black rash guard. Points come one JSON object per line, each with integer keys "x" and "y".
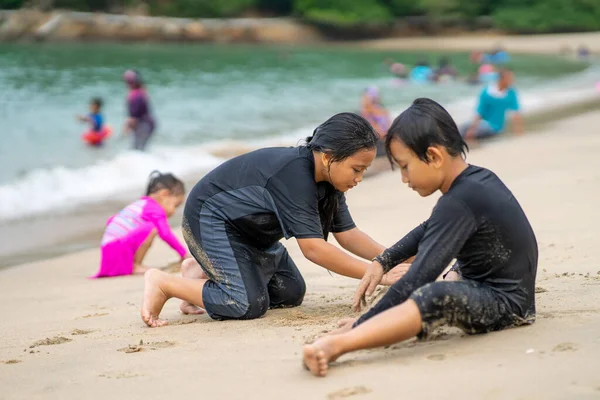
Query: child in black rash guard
{"x": 476, "y": 221}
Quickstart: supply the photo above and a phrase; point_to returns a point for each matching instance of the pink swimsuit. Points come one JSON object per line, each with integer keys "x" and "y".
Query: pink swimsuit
{"x": 126, "y": 231}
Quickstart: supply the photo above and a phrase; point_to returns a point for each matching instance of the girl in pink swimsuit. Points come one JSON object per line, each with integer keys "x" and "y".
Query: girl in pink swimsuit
{"x": 129, "y": 233}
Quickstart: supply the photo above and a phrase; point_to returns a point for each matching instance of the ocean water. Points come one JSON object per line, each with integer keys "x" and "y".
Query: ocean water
{"x": 208, "y": 100}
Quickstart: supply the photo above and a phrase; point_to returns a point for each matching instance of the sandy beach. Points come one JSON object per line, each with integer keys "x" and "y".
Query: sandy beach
{"x": 68, "y": 337}
{"x": 538, "y": 44}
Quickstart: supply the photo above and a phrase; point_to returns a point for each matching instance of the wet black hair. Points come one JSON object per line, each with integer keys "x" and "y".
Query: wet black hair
{"x": 340, "y": 137}
{"x": 159, "y": 181}
{"x": 422, "y": 125}
{"x": 97, "y": 101}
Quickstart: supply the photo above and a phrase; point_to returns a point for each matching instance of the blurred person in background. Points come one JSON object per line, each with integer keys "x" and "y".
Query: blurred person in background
{"x": 140, "y": 122}
{"x": 375, "y": 112}
{"x": 495, "y": 101}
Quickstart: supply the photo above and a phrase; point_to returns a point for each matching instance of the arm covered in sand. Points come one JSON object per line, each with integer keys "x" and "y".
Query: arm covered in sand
{"x": 402, "y": 251}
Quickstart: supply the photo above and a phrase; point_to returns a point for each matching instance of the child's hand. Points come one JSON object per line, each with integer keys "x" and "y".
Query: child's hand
{"x": 367, "y": 286}
{"x": 395, "y": 274}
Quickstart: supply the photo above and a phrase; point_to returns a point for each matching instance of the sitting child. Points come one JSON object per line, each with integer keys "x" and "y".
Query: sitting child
{"x": 476, "y": 221}
{"x": 98, "y": 131}
{"x": 129, "y": 234}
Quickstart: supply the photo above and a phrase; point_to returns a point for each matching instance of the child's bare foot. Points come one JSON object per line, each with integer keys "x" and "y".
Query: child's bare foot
{"x": 139, "y": 269}
{"x": 318, "y": 355}
{"x": 154, "y": 299}
{"x": 188, "y": 308}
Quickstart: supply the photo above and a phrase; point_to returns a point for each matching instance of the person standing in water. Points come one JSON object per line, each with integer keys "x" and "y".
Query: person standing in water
{"x": 140, "y": 121}
{"x": 236, "y": 215}
{"x": 476, "y": 221}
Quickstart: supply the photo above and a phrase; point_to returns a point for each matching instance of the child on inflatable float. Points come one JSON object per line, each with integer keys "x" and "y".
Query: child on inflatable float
{"x": 98, "y": 131}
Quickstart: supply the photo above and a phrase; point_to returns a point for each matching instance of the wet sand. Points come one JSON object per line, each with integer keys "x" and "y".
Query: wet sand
{"x": 64, "y": 336}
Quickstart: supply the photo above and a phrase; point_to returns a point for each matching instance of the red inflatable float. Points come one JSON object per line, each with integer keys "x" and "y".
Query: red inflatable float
{"x": 93, "y": 138}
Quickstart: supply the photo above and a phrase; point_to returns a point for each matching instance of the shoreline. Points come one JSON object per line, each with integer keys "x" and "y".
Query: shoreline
{"x": 96, "y": 214}
{"x": 529, "y": 44}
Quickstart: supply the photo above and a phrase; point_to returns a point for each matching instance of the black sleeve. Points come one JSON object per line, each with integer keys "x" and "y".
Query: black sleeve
{"x": 403, "y": 250}
{"x": 451, "y": 224}
{"x": 342, "y": 221}
{"x": 294, "y": 192}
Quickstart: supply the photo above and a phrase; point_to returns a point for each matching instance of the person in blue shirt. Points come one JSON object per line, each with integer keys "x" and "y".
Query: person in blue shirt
{"x": 421, "y": 73}
{"x": 498, "y": 56}
{"x": 494, "y": 102}
{"x": 98, "y": 131}
{"x": 94, "y": 118}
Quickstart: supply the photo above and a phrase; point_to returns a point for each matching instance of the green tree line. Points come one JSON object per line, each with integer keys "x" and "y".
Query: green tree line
{"x": 522, "y": 16}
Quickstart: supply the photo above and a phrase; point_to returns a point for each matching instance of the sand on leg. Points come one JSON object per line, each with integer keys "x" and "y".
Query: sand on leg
{"x": 391, "y": 326}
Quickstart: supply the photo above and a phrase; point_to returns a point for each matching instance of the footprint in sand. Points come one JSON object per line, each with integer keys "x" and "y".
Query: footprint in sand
{"x": 136, "y": 348}
{"x": 93, "y": 315}
{"x": 566, "y": 346}
{"x": 51, "y": 341}
{"x": 13, "y": 361}
{"x": 183, "y": 322}
{"x": 347, "y": 392}
{"x": 77, "y": 332}
{"x": 539, "y": 289}
{"x": 122, "y": 375}
{"x": 436, "y": 357}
